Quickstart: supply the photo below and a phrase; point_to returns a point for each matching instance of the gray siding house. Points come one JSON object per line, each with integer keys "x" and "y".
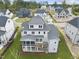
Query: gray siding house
{"x": 72, "y": 30}
{"x": 37, "y": 36}
{"x": 62, "y": 13}
{"x": 23, "y": 12}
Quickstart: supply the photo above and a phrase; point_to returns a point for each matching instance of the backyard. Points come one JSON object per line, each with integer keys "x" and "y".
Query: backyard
{"x": 21, "y": 20}
{"x": 14, "y": 52}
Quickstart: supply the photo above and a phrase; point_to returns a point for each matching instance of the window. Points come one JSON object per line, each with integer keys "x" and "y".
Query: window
{"x": 37, "y": 40}
{"x": 70, "y": 31}
{"x": 78, "y": 41}
{"x": 28, "y": 43}
{"x": 24, "y": 42}
{"x": 31, "y": 26}
{"x": 40, "y": 40}
{"x": 40, "y": 26}
{"x": 53, "y": 48}
{"x": 33, "y": 32}
{"x": 28, "y": 48}
{"x": 0, "y": 42}
{"x": 25, "y": 32}
{"x": 44, "y": 32}
{"x": 9, "y": 21}
{"x": 55, "y": 42}
{"x": 33, "y": 48}
{"x": 39, "y": 32}
{"x": 32, "y": 42}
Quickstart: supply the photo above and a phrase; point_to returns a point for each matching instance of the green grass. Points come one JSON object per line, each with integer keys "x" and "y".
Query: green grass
{"x": 15, "y": 49}
{"x": 21, "y": 20}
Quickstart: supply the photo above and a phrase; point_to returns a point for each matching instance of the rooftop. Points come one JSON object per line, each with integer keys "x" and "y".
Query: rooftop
{"x": 75, "y": 22}
{"x": 37, "y": 20}
{"x": 3, "y": 20}
{"x": 40, "y": 11}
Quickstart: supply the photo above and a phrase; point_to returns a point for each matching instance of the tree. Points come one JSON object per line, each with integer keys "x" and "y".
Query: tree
{"x": 2, "y": 5}
{"x": 64, "y": 4}
{"x": 55, "y": 4}
{"x": 6, "y": 3}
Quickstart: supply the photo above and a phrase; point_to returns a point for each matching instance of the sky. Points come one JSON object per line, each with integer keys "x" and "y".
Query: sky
{"x": 58, "y": 1}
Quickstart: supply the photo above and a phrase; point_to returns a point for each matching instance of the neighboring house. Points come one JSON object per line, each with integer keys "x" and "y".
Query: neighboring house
{"x": 72, "y": 30}
{"x": 37, "y": 36}
{"x": 50, "y": 8}
{"x": 23, "y": 12}
{"x": 57, "y": 7}
{"x": 43, "y": 7}
{"x": 7, "y": 13}
{"x": 62, "y": 13}
{"x": 40, "y": 12}
{"x": 7, "y": 29}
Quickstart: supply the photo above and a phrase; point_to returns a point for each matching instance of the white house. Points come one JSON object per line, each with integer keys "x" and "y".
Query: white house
{"x": 7, "y": 29}
{"x": 72, "y": 30}
{"x": 38, "y": 36}
{"x": 6, "y": 13}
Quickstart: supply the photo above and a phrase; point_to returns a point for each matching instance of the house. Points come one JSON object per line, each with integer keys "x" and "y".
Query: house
{"x": 50, "y": 7}
{"x": 23, "y": 12}
{"x": 57, "y": 7}
{"x": 62, "y": 13}
{"x": 72, "y": 30}
{"x": 7, "y": 13}
{"x": 40, "y": 12}
{"x": 43, "y": 7}
{"x": 7, "y": 29}
{"x": 2, "y": 39}
{"x": 37, "y": 36}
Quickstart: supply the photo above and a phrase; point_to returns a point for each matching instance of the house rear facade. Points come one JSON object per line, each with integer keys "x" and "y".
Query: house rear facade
{"x": 37, "y": 36}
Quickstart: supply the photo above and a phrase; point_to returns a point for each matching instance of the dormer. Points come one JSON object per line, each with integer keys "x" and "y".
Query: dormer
{"x": 36, "y": 23}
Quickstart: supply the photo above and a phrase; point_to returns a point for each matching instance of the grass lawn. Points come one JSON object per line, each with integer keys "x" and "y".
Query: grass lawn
{"x": 21, "y": 20}
{"x": 15, "y": 48}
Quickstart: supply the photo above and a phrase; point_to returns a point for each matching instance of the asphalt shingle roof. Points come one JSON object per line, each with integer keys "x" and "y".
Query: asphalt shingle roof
{"x": 37, "y": 20}
{"x": 3, "y": 20}
{"x": 40, "y": 11}
{"x": 75, "y": 22}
